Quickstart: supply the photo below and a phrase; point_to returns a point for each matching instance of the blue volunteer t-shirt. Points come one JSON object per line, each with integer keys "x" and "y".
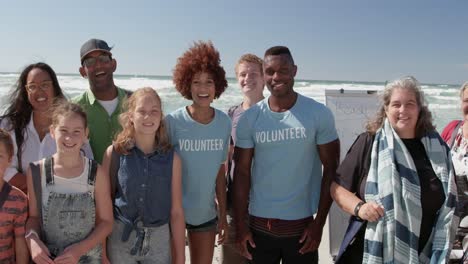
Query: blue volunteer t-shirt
{"x": 202, "y": 149}
{"x": 287, "y": 171}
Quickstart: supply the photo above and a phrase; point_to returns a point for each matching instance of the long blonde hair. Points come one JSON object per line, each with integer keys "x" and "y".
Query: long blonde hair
{"x": 125, "y": 140}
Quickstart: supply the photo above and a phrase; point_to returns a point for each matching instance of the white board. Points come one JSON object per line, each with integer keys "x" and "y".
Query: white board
{"x": 352, "y": 109}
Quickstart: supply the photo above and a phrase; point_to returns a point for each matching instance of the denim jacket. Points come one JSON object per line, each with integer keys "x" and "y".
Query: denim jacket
{"x": 144, "y": 187}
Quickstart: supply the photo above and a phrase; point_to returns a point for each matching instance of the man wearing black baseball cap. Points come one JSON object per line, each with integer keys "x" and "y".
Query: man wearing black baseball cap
{"x": 103, "y": 101}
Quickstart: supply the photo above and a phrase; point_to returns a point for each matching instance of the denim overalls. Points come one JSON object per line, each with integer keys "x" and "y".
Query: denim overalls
{"x": 69, "y": 218}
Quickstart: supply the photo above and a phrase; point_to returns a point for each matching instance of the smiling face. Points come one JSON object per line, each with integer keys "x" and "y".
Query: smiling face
{"x": 403, "y": 112}
{"x": 279, "y": 72}
{"x": 202, "y": 89}
{"x": 39, "y": 89}
{"x": 98, "y": 68}
{"x": 250, "y": 78}
{"x": 69, "y": 133}
{"x": 147, "y": 115}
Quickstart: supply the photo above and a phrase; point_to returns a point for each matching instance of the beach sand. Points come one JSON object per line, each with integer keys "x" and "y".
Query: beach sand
{"x": 324, "y": 250}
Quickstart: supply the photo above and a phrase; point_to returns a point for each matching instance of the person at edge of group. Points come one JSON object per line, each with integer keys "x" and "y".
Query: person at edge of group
{"x": 148, "y": 189}
{"x": 200, "y": 135}
{"x": 103, "y": 101}
{"x": 13, "y": 210}
{"x": 281, "y": 144}
{"x": 249, "y": 74}
{"x": 456, "y": 136}
{"x": 27, "y": 119}
{"x": 70, "y": 210}
{"x": 398, "y": 184}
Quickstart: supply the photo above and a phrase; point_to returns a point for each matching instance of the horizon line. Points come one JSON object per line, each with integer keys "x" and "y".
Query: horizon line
{"x": 229, "y": 77}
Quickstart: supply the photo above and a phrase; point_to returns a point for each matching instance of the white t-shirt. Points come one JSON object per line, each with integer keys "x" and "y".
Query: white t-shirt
{"x": 110, "y": 106}
{"x": 78, "y": 184}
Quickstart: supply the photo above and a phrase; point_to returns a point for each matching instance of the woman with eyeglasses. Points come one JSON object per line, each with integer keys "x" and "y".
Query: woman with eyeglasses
{"x": 28, "y": 119}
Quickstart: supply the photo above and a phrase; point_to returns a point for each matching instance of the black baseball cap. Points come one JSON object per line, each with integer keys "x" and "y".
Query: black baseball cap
{"x": 93, "y": 45}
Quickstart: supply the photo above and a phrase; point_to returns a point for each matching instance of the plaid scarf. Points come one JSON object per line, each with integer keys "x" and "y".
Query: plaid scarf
{"x": 393, "y": 182}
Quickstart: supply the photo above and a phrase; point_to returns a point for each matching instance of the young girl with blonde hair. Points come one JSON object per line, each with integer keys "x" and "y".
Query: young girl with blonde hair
{"x": 148, "y": 193}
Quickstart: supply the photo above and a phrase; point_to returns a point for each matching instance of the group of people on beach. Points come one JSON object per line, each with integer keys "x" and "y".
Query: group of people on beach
{"x": 108, "y": 178}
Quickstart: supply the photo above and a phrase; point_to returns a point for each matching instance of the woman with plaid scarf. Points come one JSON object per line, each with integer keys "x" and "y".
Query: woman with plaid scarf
{"x": 397, "y": 182}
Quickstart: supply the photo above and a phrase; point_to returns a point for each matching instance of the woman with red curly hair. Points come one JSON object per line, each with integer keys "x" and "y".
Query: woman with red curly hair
{"x": 200, "y": 135}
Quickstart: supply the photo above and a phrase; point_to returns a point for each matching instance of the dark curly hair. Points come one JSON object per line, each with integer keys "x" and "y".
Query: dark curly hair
{"x": 201, "y": 57}
{"x": 20, "y": 109}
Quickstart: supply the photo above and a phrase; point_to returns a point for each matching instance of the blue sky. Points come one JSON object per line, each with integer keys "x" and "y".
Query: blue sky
{"x": 358, "y": 40}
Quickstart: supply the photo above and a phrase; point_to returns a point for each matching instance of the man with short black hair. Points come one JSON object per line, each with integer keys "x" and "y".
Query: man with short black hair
{"x": 103, "y": 102}
{"x": 292, "y": 136}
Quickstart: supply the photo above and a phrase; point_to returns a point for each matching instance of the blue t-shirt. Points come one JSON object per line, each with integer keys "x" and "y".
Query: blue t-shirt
{"x": 202, "y": 149}
{"x": 287, "y": 171}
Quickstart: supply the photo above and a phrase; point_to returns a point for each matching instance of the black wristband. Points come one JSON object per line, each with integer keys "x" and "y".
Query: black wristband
{"x": 357, "y": 208}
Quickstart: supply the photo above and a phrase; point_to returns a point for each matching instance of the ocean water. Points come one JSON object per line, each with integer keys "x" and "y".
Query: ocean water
{"x": 443, "y": 99}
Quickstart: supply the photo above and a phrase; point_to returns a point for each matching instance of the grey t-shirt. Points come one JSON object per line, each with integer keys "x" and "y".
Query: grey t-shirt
{"x": 235, "y": 112}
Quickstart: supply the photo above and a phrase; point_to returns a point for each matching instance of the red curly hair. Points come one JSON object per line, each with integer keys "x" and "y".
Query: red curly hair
{"x": 201, "y": 57}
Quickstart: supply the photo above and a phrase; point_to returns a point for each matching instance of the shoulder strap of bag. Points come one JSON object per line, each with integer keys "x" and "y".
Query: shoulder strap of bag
{"x": 114, "y": 168}
{"x": 92, "y": 170}
{"x": 454, "y": 134}
{"x": 49, "y": 170}
{"x": 36, "y": 177}
{"x": 231, "y": 111}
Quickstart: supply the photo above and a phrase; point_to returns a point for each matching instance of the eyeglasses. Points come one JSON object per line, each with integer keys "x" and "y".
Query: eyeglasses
{"x": 32, "y": 87}
{"x": 91, "y": 61}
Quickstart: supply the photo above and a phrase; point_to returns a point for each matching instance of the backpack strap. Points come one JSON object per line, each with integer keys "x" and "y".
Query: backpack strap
{"x": 49, "y": 170}
{"x": 231, "y": 110}
{"x": 19, "y": 152}
{"x": 37, "y": 186}
{"x": 128, "y": 93}
{"x": 4, "y": 192}
{"x": 113, "y": 171}
{"x": 454, "y": 134}
{"x": 92, "y": 171}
